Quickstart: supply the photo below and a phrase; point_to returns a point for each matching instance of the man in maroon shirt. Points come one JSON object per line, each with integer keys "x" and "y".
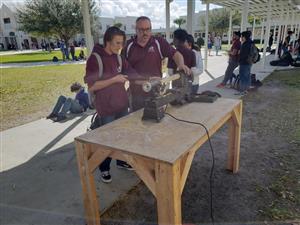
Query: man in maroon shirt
{"x": 145, "y": 54}
{"x": 233, "y": 58}
{"x": 111, "y": 101}
{"x": 180, "y": 37}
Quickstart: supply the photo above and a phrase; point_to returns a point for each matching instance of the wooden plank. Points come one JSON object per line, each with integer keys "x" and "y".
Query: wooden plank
{"x": 168, "y": 194}
{"x": 186, "y": 168}
{"x": 145, "y": 170}
{"x": 97, "y": 157}
{"x": 233, "y": 157}
{"x": 162, "y": 141}
{"x": 90, "y": 200}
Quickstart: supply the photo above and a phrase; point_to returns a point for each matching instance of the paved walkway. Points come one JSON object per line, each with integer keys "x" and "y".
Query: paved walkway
{"x": 39, "y": 182}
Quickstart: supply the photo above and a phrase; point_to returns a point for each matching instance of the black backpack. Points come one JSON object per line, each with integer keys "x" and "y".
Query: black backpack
{"x": 95, "y": 122}
{"x": 254, "y": 55}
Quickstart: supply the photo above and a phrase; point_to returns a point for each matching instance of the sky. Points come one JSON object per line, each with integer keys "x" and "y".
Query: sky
{"x": 154, "y": 9}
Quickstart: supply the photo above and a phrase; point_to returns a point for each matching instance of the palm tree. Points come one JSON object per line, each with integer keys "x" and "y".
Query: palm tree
{"x": 179, "y": 21}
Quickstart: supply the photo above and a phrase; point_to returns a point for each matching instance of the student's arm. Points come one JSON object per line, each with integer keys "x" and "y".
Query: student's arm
{"x": 178, "y": 59}
{"x": 98, "y": 85}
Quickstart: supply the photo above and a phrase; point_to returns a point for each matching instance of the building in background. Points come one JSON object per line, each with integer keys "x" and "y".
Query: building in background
{"x": 11, "y": 38}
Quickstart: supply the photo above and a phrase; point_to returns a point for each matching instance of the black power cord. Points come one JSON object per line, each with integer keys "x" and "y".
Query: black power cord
{"x": 213, "y": 162}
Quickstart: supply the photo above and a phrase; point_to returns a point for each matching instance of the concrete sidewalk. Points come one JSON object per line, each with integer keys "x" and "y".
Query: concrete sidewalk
{"x": 39, "y": 182}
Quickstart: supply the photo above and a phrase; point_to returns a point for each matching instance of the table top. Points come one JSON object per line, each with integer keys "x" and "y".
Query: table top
{"x": 167, "y": 140}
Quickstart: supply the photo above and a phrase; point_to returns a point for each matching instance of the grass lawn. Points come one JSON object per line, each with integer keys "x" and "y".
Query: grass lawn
{"x": 33, "y": 57}
{"x": 29, "y": 93}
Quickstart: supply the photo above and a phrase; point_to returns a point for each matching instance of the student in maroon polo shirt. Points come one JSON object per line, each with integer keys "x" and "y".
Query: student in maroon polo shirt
{"x": 111, "y": 101}
{"x": 180, "y": 37}
{"x": 145, "y": 53}
{"x": 233, "y": 58}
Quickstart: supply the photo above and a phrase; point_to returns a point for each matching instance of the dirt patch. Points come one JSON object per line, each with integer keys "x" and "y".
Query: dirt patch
{"x": 267, "y": 187}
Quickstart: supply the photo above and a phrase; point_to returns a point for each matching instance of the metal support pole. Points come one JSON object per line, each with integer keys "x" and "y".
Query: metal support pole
{"x": 168, "y": 20}
{"x": 267, "y": 35}
{"x": 230, "y": 28}
{"x": 253, "y": 28}
{"x": 278, "y": 34}
{"x": 87, "y": 26}
{"x": 206, "y": 35}
{"x": 262, "y": 31}
{"x": 244, "y": 21}
{"x": 190, "y": 16}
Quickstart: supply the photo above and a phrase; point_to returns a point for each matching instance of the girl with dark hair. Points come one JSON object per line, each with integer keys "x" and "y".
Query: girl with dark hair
{"x": 106, "y": 74}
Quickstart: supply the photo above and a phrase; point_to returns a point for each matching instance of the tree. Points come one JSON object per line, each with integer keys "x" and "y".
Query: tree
{"x": 59, "y": 18}
{"x": 118, "y": 25}
{"x": 219, "y": 20}
{"x": 179, "y": 21}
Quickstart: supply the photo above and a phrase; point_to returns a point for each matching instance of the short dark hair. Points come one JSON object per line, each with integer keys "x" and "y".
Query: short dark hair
{"x": 246, "y": 34}
{"x": 237, "y": 33}
{"x": 111, "y": 32}
{"x": 75, "y": 87}
{"x": 180, "y": 35}
{"x": 142, "y": 18}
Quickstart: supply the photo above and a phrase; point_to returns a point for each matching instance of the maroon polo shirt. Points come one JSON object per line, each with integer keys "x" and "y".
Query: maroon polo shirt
{"x": 235, "y": 45}
{"x": 147, "y": 60}
{"x": 112, "y": 99}
{"x": 188, "y": 56}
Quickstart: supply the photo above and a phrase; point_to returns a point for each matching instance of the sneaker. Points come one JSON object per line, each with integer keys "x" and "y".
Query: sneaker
{"x": 221, "y": 85}
{"x": 241, "y": 93}
{"x": 60, "y": 118}
{"x": 51, "y": 116}
{"x": 105, "y": 177}
{"x": 125, "y": 166}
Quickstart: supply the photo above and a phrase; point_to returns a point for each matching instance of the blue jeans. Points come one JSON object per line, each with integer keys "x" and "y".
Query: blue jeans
{"x": 245, "y": 77}
{"x": 229, "y": 71}
{"x": 195, "y": 88}
{"x": 105, "y": 165}
{"x": 64, "y": 105}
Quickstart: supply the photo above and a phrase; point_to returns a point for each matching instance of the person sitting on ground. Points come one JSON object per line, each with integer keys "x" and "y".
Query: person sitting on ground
{"x": 233, "y": 59}
{"x": 198, "y": 70}
{"x": 180, "y": 37}
{"x": 81, "y": 55}
{"x": 64, "y": 104}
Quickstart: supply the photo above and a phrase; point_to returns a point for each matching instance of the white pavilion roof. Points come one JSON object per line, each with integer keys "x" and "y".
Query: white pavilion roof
{"x": 260, "y": 7}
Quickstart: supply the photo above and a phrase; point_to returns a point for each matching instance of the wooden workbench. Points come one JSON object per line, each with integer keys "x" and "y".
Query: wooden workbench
{"x": 161, "y": 153}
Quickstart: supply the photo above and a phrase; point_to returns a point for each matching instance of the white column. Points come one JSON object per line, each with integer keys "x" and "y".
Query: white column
{"x": 244, "y": 21}
{"x": 87, "y": 26}
{"x": 267, "y": 35}
{"x": 206, "y": 35}
{"x": 262, "y": 31}
{"x": 190, "y": 16}
{"x": 253, "y": 28}
{"x": 278, "y": 34}
{"x": 168, "y": 20}
{"x": 292, "y": 29}
{"x": 286, "y": 24}
{"x": 230, "y": 28}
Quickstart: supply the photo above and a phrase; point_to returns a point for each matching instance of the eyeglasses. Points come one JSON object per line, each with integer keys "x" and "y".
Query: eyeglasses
{"x": 144, "y": 30}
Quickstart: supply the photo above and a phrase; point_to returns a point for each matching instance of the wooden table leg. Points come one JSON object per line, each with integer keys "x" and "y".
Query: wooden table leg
{"x": 168, "y": 193}
{"x": 235, "y": 124}
{"x": 90, "y": 199}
